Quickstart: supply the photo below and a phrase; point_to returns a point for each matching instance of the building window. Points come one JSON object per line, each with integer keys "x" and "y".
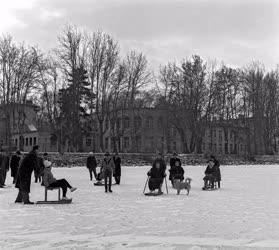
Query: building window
{"x": 203, "y": 146}
{"x": 209, "y": 146}
{"x": 220, "y": 135}
{"x": 174, "y": 146}
{"x": 30, "y": 141}
{"x": 149, "y": 122}
{"x": 138, "y": 143}
{"x": 34, "y": 140}
{"x": 137, "y": 122}
{"x": 215, "y": 147}
{"x": 214, "y": 133}
{"x": 126, "y": 122}
{"x": 126, "y": 142}
{"x": 26, "y": 141}
{"x": 160, "y": 123}
{"x": 173, "y": 131}
{"x": 231, "y": 148}
{"x": 16, "y": 142}
{"x": 88, "y": 142}
{"x": 107, "y": 124}
{"x": 118, "y": 123}
{"x": 106, "y": 142}
{"x": 220, "y": 148}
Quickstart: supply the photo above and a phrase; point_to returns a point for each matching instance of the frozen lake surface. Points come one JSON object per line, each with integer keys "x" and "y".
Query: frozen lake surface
{"x": 243, "y": 214}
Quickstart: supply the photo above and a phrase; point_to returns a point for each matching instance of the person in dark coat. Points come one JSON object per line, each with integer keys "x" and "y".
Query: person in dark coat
{"x": 173, "y": 159}
{"x": 159, "y": 159}
{"x": 210, "y": 175}
{"x": 177, "y": 172}
{"x": 91, "y": 164}
{"x": 23, "y": 183}
{"x": 4, "y": 168}
{"x": 108, "y": 169}
{"x": 15, "y": 160}
{"x": 117, "y": 164}
{"x": 156, "y": 176}
{"x": 217, "y": 169}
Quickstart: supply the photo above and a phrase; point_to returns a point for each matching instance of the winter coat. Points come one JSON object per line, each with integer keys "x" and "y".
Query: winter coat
{"x": 117, "y": 164}
{"x": 91, "y": 162}
{"x": 48, "y": 177}
{"x": 211, "y": 171}
{"x": 27, "y": 166}
{"x": 156, "y": 173}
{"x": 177, "y": 172}
{"x": 107, "y": 165}
{"x": 40, "y": 170}
{"x": 217, "y": 169}
{"x": 173, "y": 160}
{"x": 4, "y": 167}
{"x": 14, "y": 165}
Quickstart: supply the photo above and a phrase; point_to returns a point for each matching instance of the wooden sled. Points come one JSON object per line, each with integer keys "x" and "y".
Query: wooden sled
{"x": 153, "y": 194}
{"x": 59, "y": 201}
{"x": 55, "y": 202}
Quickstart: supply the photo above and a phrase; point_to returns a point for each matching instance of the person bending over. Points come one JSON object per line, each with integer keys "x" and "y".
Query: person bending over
{"x": 51, "y": 182}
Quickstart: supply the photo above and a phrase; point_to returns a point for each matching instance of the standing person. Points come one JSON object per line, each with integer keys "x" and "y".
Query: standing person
{"x": 173, "y": 159}
{"x": 217, "y": 168}
{"x": 23, "y": 183}
{"x": 117, "y": 164}
{"x": 4, "y": 168}
{"x": 91, "y": 164}
{"x": 15, "y": 160}
{"x": 108, "y": 169}
{"x": 50, "y": 181}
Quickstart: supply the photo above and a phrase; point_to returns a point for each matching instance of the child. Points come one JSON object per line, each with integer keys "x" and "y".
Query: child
{"x": 210, "y": 175}
{"x": 50, "y": 181}
{"x": 176, "y": 171}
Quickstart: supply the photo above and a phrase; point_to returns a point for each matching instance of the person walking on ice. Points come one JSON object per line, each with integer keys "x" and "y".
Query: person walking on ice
{"x": 91, "y": 164}
{"x": 108, "y": 168}
{"x": 50, "y": 181}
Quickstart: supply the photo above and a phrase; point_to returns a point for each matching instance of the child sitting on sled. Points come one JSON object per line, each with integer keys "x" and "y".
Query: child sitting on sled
{"x": 210, "y": 175}
{"x": 176, "y": 172}
{"x": 50, "y": 181}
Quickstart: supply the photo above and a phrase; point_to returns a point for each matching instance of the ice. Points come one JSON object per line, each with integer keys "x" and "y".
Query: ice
{"x": 243, "y": 214}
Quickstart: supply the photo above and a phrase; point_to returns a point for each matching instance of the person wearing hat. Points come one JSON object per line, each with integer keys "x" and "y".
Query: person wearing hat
{"x": 91, "y": 164}
{"x": 15, "y": 160}
{"x": 217, "y": 168}
{"x": 25, "y": 170}
{"x": 173, "y": 161}
{"x": 108, "y": 168}
{"x": 50, "y": 181}
{"x": 210, "y": 175}
{"x": 160, "y": 160}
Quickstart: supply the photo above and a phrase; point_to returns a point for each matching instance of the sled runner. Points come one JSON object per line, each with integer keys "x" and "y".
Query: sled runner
{"x": 153, "y": 194}
{"x": 59, "y": 201}
{"x": 148, "y": 194}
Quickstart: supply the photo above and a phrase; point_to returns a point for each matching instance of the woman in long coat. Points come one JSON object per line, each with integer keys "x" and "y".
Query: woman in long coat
{"x": 23, "y": 183}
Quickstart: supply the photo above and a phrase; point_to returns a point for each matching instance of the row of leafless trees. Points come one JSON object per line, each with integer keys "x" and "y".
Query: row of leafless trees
{"x": 193, "y": 92}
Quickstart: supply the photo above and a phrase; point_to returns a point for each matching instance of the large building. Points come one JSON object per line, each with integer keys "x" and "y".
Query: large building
{"x": 150, "y": 129}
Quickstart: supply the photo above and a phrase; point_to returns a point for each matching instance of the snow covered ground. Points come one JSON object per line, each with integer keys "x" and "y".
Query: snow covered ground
{"x": 244, "y": 214}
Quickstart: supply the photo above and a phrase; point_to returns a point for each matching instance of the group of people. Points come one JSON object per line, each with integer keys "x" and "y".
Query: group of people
{"x": 109, "y": 167}
{"x": 158, "y": 172}
{"x": 23, "y": 167}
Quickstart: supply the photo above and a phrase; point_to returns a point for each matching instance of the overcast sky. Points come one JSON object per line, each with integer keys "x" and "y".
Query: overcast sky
{"x": 233, "y": 31}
